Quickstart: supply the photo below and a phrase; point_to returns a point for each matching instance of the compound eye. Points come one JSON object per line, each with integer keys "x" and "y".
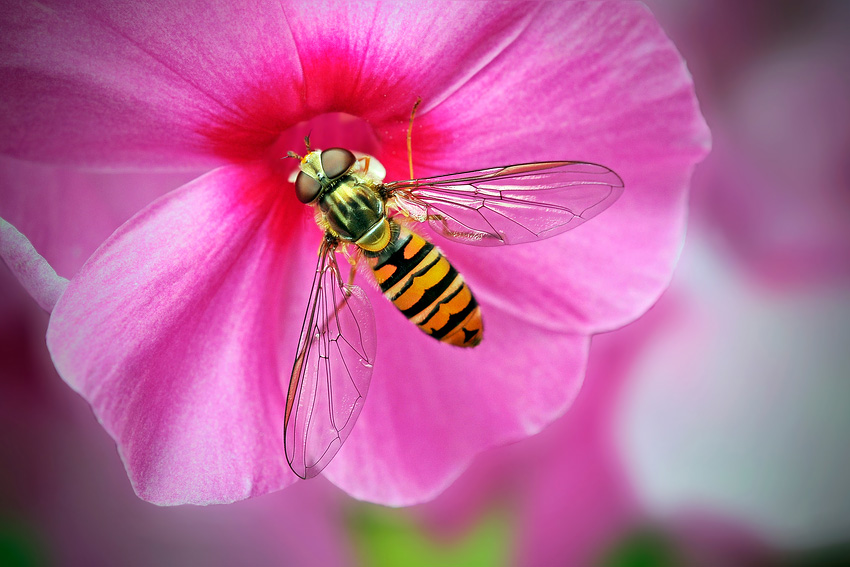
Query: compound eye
{"x": 306, "y": 188}
{"x": 336, "y": 161}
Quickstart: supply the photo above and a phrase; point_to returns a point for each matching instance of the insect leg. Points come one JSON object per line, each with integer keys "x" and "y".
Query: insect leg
{"x": 448, "y": 232}
{"x": 351, "y": 259}
{"x": 352, "y": 273}
{"x": 366, "y": 160}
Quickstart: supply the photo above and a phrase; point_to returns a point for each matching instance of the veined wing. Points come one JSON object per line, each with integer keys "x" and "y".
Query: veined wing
{"x": 511, "y": 204}
{"x": 332, "y": 370}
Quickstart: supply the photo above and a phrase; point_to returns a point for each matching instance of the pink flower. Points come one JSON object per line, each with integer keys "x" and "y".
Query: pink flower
{"x": 738, "y": 405}
{"x": 181, "y": 328}
{"x": 774, "y": 90}
{"x": 778, "y": 186}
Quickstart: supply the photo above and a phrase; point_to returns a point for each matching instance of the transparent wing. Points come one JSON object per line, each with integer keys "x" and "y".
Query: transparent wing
{"x": 512, "y": 204}
{"x": 332, "y": 370}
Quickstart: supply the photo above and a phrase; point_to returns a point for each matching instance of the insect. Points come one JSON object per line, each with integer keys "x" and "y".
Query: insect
{"x": 488, "y": 207}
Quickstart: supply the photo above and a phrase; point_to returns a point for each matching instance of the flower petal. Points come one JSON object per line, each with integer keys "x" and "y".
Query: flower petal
{"x": 96, "y": 82}
{"x": 32, "y": 271}
{"x": 581, "y": 487}
{"x": 172, "y": 332}
{"x": 67, "y": 213}
{"x": 183, "y": 82}
{"x": 598, "y": 82}
{"x": 596, "y": 278}
{"x": 431, "y": 406}
{"x": 423, "y": 50}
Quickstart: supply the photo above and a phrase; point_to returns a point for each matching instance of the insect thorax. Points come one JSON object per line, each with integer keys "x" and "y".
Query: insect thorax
{"x": 352, "y": 208}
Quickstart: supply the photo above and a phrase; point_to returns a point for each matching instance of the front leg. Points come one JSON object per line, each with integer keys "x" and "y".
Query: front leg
{"x": 366, "y": 161}
{"x": 351, "y": 258}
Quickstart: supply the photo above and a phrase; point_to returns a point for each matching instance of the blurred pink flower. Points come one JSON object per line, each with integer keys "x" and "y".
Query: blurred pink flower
{"x": 778, "y": 186}
{"x": 738, "y": 406}
{"x": 582, "y": 507}
{"x": 774, "y": 84}
{"x": 180, "y": 327}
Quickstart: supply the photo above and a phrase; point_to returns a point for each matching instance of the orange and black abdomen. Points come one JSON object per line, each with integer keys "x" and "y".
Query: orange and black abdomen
{"x": 426, "y": 288}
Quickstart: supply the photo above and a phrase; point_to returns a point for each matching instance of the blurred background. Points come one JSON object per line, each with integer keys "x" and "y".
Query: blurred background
{"x": 713, "y": 431}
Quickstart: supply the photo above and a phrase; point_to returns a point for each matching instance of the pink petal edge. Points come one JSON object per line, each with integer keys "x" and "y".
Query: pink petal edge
{"x": 33, "y": 271}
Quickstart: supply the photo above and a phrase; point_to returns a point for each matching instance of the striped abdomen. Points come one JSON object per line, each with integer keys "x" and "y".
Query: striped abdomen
{"x": 426, "y": 288}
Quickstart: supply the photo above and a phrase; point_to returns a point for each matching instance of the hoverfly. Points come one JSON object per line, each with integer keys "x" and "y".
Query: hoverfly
{"x": 488, "y": 207}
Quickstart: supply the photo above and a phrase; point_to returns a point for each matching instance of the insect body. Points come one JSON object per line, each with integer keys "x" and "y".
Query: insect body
{"x": 411, "y": 271}
{"x": 426, "y": 288}
{"x": 489, "y": 207}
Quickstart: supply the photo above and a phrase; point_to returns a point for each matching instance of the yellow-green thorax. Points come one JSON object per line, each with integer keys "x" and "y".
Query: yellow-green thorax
{"x": 350, "y": 205}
